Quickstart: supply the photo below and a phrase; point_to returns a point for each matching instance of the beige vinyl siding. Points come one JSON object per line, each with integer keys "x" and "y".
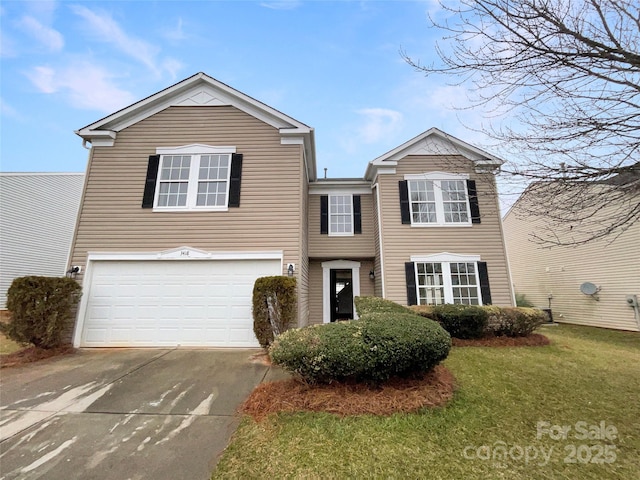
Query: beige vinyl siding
{"x": 315, "y": 291}
{"x": 538, "y": 271}
{"x": 357, "y": 245}
{"x": 315, "y": 286}
{"x": 403, "y": 241}
{"x": 303, "y": 268}
{"x": 111, "y": 217}
{"x": 367, "y": 287}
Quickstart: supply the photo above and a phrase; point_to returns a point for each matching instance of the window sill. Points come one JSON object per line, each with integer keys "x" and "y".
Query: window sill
{"x": 182, "y": 209}
{"x": 341, "y": 234}
{"x": 432, "y": 225}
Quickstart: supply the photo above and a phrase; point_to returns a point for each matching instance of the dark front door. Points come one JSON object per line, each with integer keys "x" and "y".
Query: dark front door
{"x": 341, "y": 295}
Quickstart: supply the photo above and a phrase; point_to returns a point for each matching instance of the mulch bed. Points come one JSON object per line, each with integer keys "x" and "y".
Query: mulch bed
{"x": 342, "y": 399}
{"x": 33, "y": 354}
{"x": 533, "y": 340}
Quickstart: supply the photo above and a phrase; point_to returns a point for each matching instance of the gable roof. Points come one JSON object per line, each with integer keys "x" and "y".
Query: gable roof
{"x": 202, "y": 90}
{"x": 432, "y": 142}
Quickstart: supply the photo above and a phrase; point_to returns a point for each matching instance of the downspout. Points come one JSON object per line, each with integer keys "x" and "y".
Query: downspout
{"x": 377, "y": 188}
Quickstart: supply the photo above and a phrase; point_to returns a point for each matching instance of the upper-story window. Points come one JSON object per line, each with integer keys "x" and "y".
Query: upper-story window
{"x": 193, "y": 181}
{"x": 193, "y": 177}
{"x": 340, "y": 215}
{"x": 438, "y": 199}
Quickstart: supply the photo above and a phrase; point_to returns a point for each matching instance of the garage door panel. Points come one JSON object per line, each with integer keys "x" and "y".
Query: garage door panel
{"x": 167, "y": 303}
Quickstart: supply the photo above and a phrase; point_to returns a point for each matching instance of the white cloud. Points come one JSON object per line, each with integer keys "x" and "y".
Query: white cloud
{"x": 282, "y": 4}
{"x": 7, "y": 110}
{"x": 176, "y": 33}
{"x": 43, "y": 10}
{"x": 172, "y": 66}
{"x": 106, "y": 29}
{"x": 379, "y": 123}
{"x": 47, "y": 36}
{"x": 84, "y": 84}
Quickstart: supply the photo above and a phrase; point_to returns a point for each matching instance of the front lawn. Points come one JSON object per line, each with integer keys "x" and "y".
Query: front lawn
{"x": 505, "y": 397}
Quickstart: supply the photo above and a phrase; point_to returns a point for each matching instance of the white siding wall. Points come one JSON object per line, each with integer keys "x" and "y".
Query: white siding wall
{"x": 38, "y": 213}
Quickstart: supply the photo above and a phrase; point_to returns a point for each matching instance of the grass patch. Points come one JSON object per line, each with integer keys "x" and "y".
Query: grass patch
{"x": 8, "y": 346}
{"x": 586, "y": 374}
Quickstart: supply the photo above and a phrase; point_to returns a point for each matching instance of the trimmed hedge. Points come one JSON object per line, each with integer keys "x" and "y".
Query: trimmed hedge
{"x": 462, "y": 321}
{"x": 365, "y": 305}
{"x": 283, "y": 297}
{"x": 372, "y": 349}
{"x": 501, "y": 321}
{"x": 40, "y": 309}
{"x": 518, "y": 321}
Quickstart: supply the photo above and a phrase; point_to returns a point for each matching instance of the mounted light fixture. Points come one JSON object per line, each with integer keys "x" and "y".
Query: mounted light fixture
{"x": 290, "y": 269}
{"x": 372, "y": 275}
{"x": 73, "y": 271}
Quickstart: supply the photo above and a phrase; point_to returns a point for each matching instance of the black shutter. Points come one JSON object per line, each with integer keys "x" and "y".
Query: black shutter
{"x": 150, "y": 183}
{"x": 484, "y": 283}
{"x": 234, "y": 180}
{"x": 473, "y": 201}
{"x": 405, "y": 214}
{"x": 357, "y": 215}
{"x": 410, "y": 274}
{"x": 324, "y": 214}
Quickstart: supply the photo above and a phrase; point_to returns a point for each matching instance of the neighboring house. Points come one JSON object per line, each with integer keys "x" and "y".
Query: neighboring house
{"x": 543, "y": 273}
{"x": 38, "y": 214}
{"x": 196, "y": 191}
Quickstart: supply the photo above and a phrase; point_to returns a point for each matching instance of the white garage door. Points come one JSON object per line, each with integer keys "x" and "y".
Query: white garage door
{"x": 172, "y": 302}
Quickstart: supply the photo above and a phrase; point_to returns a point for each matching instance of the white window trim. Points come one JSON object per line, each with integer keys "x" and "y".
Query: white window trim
{"x": 195, "y": 150}
{"x": 436, "y": 178}
{"x": 326, "y": 284}
{"x": 340, "y": 234}
{"x": 446, "y": 258}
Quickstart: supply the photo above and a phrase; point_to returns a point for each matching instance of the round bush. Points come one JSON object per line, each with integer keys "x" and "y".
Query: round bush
{"x": 462, "y": 321}
{"x": 366, "y": 305}
{"x": 373, "y": 349}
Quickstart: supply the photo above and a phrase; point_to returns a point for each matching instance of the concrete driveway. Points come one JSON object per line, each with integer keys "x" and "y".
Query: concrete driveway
{"x": 123, "y": 413}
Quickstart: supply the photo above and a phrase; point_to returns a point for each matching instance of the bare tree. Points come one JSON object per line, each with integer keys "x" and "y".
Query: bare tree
{"x": 565, "y": 75}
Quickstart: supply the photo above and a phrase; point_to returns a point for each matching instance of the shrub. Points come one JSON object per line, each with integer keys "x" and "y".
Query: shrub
{"x": 425, "y": 311}
{"x": 522, "y": 301}
{"x": 372, "y": 349}
{"x": 518, "y": 321}
{"x": 462, "y": 321}
{"x": 274, "y": 307}
{"x": 40, "y": 309}
{"x": 365, "y": 305}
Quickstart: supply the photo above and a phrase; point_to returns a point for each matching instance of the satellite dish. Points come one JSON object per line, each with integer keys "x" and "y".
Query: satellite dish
{"x": 589, "y": 288}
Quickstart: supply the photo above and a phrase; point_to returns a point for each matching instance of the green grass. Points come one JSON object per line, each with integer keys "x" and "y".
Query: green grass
{"x": 8, "y": 346}
{"x": 587, "y": 374}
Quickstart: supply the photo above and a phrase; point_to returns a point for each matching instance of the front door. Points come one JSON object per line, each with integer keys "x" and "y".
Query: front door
{"x": 341, "y": 285}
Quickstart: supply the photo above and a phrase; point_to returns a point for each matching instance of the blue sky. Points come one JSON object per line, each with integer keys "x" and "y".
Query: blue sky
{"x": 332, "y": 65}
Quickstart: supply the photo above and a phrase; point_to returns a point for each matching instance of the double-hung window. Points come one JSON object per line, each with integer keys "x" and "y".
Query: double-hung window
{"x": 447, "y": 278}
{"x": 447, "y": 282}
{"x": 438, "y": 199}
{"x": 195, "y": 177}
{"x": 341, "y": 214}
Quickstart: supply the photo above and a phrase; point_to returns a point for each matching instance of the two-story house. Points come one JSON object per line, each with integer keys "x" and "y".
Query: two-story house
{"x": 194, "y": 192}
